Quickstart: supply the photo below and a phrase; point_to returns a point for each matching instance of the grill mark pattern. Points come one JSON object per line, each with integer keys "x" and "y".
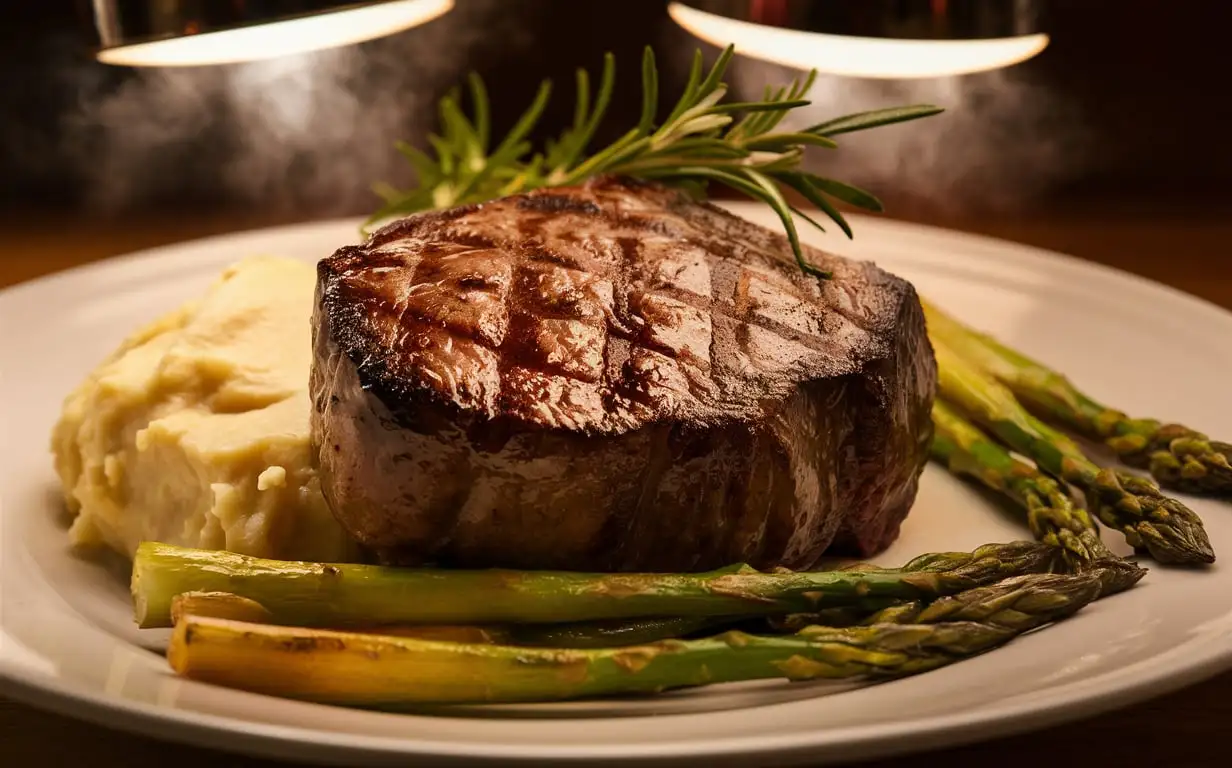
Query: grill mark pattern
{"x": 517, "y": 329}
{"x": 731, "y": 263}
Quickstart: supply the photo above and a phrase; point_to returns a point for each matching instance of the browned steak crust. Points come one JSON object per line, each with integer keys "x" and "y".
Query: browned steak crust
{"x": 613, "y": 377}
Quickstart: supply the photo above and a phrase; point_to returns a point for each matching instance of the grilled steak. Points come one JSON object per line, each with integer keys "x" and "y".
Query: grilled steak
{"x": 613, "y": 377}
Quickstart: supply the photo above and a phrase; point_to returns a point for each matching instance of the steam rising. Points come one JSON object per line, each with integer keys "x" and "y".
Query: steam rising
{"x": 1002, "y": 141}
{"x": 314, "y": 131}
{"x": 310, "y": 131}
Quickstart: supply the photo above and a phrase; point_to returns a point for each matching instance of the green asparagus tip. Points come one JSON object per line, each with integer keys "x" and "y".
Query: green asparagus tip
{"x": 1115, "y": 574}
{"x": 1162, "y": 527}
{"x": 985, "y": 562}
{"x": 1019, "y": 603}
{"x": 1189, "y": 462}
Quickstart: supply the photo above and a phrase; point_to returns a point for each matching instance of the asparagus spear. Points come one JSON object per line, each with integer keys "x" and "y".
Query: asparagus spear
{"x": 224, "y": 605}
{"x": 1177, "y": 456}
{"x": 614, "y": 633}
{"x": 586, "y": 634}
{"x": 321, "y": 595}
{"x": 1150, "y": 521}
{"x": 1051, "y": 515}
{"x": 218, "y": 605}
{"x": 374, "y": 670}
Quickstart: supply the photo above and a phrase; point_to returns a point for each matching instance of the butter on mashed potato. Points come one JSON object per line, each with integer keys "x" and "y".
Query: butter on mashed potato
{"x": 196, "y": 430}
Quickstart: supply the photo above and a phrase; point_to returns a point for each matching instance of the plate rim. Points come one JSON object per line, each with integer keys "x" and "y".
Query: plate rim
{"x": 280, "y": 741}
{"x": 1112, "y": 690}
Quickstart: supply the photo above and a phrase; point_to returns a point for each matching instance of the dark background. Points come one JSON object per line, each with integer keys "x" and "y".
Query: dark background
{"x": 1128, "y": 105}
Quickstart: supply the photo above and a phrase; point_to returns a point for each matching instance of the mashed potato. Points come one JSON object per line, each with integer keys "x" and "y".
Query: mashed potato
{"x": 195, "y": 431}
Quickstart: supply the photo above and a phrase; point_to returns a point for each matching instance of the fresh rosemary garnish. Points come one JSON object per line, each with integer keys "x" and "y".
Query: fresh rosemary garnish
{"x": 700, "y": 141}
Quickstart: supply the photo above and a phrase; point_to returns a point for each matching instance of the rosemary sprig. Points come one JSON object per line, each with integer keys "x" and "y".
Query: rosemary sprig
{"x": 702, "y": 140}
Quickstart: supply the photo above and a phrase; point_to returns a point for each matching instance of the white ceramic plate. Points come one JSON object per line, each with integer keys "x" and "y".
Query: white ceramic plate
{"x": 67, "y": 643}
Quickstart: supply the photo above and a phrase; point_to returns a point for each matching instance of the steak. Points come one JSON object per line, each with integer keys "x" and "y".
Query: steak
{"x": 614, "y": 377}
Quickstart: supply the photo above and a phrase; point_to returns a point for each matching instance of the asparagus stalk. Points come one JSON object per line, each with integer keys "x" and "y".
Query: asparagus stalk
{"x": 342, "y": 596}
{"x": 579, "y": 634}
{"x": 374, "y": 670}
{"x": 612, "y": 634}
{"x": 1177, "y": 456}
{"x": 586, "y": 634}
{"x": 218, "y": 605}
{"x": 1051, "y": 514}
{"x": 224, "y": 605}
{"x": 1150, "y": 521}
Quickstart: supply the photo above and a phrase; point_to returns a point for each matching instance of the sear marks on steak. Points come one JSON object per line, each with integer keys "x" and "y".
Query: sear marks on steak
{"x": 614, "y": 377}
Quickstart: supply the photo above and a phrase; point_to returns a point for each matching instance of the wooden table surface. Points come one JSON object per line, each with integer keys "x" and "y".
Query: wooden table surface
{"x": 1187, "y": 249}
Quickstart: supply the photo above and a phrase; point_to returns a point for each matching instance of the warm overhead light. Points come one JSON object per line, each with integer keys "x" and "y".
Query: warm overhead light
{"x": 871, "y": 38}
{"x": 185, "y": 33}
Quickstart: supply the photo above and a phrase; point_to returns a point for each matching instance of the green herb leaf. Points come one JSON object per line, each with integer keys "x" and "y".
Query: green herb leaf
{"x": 479, "y": 100}
{"x": 702, "y": 140}
{"x": 862, "y": 121}
{"x": 802, "y": 183}
{"x": 785, "y": 141}
{"x": 650, "y": 91}
{"x": 847, "y": 193}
